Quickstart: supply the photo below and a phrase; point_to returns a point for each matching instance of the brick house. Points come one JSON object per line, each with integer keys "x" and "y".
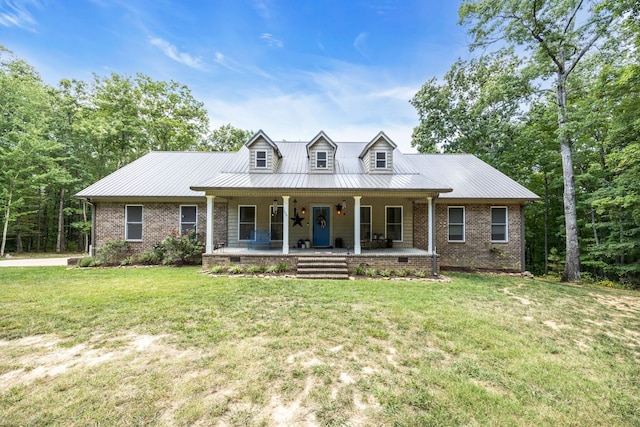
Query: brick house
{"x": 366, "y": 201}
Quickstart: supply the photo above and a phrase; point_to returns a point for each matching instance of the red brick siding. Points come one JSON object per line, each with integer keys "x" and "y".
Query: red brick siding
{"x": 157, "y": 219}
{"x": 477, "y": 251}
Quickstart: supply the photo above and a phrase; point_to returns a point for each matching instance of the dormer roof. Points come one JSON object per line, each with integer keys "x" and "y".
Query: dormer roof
{"x": 260, "y": 134}
{"x": 380, "y": 135}
{"x": 321, "y": 136}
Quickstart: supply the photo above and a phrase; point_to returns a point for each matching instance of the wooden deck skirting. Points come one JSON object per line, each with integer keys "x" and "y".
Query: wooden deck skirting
{"x": 395, "y": 261}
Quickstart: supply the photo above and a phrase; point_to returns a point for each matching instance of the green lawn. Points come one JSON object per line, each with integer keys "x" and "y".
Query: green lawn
{"x": 170, "y": 346}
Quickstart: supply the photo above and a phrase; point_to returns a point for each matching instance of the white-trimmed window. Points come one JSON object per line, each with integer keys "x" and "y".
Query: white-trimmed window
{"x": 246, "y": 221}
{"x": 261, "y": 159}
{"x": 365, "y": 223}
{"x": 393, "y": 223}
{"x": 381, "y": 159}
{"x": 321, "y": 159}
{"x": 133, "y": 222}
{"x": 188, "y": 218}
{"x": 499, "y": 224}
{"x": 277, "y": 224}
{"x": 456, "y": 224}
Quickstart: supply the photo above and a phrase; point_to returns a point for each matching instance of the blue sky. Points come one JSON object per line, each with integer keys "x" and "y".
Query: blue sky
{"x": 289, "y": 67}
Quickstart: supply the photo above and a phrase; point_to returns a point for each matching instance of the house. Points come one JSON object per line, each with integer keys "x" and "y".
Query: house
{"x": 366, "y": 201}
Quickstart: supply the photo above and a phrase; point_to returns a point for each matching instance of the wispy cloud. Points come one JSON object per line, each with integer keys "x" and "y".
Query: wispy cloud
{"x": 360, "y": 43}
{"x": 271, "y": 41}
{"x": 172, "y": 52}
{"x": 16, "y": 14}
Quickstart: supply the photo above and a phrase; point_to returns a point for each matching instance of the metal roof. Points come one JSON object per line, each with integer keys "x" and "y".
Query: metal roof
{"x": 469, "y": 177}
{"x": 189, "y": 174}
{"x": 159, "y": 174}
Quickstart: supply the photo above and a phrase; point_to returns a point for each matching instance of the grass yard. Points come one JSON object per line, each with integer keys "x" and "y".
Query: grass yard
{"x": 170, "y": 346}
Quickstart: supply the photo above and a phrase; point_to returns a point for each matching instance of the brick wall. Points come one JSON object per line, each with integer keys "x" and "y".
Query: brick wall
{"x": 381, "y": 262}
{"x": 157, "y": 219}
{"x": 477, "y": 251}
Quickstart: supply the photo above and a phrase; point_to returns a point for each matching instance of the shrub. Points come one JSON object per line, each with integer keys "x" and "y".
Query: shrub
{"x": 235, "y": 269}
{"x": 421, "y": 274}
{"x": 371, "y": 272}
{"x": 359, "y": 270}
{"x": 180, "y": 249}
{"x": 386, "y": 273}
{"x": 87, "y": 261}
{"x": 150, "y": 257}
{"x": 112, "y": 251}
{"x": 216, "y": 269}
{"x": 253, "y": 269}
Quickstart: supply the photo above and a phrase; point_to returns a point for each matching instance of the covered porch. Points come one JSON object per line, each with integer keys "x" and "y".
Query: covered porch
{"x": 383, "y": 258}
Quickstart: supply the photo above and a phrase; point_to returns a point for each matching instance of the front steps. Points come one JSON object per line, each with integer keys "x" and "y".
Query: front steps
{"x": 322, "y": 268}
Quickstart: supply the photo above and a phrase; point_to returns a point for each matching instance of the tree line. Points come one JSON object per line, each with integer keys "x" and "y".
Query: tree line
{"x": 552, "y": 99}
{"x": 55, "y": 141}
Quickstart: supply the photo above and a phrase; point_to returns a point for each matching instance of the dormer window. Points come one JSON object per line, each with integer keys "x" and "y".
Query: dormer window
{"x": 261, "y": 159}
{"x": 381, "y": 159}
{"x": 321, "y": 159}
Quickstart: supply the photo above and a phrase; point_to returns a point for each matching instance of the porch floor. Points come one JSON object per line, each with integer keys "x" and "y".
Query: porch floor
{"x": 320, "y": 251}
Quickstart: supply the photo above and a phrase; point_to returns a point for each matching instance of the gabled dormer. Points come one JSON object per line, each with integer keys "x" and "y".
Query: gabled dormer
{"x": 377, "y": 155}
{"x": 321, "y": 152}
{"x": 264, "y": 154}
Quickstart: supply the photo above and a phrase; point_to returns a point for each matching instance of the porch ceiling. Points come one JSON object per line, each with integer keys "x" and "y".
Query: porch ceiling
{"x": 277, "y": 192}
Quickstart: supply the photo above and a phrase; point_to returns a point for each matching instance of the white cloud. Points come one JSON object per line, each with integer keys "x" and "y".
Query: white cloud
{"x": 271, "y": 41}
{"x": 16, "y": 14}
{"x": 349, "y": 105}
{"x": 360, "y": 43}
{"x": 172, "y": 52}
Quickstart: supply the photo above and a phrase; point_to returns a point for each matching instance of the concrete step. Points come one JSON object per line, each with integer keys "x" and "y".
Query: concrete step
{"x": 323, "y": 268}
{"x": 324, "y": 276}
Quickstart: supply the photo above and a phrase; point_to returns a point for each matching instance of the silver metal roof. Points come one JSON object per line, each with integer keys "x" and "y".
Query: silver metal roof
{"x": 469, "y": 177}
{"x": 189, "y": 174}
{"x": 159, "y": 174}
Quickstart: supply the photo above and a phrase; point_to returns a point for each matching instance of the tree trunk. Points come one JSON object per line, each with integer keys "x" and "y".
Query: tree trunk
{"x": 19, "y": 246}
{"x": 60, "y": 240}
{"x": 39, "y": 227}
{"x": 6, "y": 222}
{"x": 546, "y": 224}
{"x": 572, "y": 263}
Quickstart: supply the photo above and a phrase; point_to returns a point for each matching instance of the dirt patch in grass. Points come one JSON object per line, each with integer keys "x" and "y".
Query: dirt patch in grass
{"x": 43, "y": 356}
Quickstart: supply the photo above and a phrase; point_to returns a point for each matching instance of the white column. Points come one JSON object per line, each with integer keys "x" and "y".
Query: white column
{"x": 209, "y": 238}
{"x": 356, "y": 225}
{"x": 285, "y": 225}
{"x": 430, "y": 227}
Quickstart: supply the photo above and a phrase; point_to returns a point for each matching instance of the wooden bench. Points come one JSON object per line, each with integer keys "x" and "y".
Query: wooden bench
{"x": 259, "y": 238}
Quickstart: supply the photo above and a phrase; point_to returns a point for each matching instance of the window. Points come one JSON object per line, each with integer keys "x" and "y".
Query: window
{"x": 133, "y": 222}
{"x": 394, "y": 223}
{"x": 499, "y": 224}
{"x": 381, "y": 160}
{"x": 261, "y": 159}
{"x": 276, "y": 224}
{"x": 188, "y": 219}
{"x": 456, "y": 224}
{"x": 365, "y": 223}
{"x": 246, "y": 221}
{"x": 321, "y": 160}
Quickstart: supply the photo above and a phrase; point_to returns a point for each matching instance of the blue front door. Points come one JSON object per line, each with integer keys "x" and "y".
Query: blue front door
{"x": 321, "y": 229}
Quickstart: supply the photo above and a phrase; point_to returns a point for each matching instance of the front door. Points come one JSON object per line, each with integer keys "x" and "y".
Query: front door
{"x": 321, "y": 229}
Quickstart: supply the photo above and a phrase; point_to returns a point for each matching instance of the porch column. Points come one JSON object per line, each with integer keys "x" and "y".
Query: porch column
{"x": 356, "y": 225}
{"x": 285, "y": 225}
{"x": 209, "y": 241}
{"x": 430, "y": 249}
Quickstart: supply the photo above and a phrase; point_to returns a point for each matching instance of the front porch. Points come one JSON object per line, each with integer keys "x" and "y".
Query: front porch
{"x": 383, "y": 259}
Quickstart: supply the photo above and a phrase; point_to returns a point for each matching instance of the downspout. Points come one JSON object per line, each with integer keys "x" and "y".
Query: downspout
{"x": 432, "y": 232}
{"x": 522, "y": 245}
{"x": 93, "y": 228}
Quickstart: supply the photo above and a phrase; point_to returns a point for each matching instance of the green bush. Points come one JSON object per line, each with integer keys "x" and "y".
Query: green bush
{"x": 180, "y": 249}
{"x": 112, "y": 252}
{"x": 359, "y": 270}
{"x": 87, "y": 261}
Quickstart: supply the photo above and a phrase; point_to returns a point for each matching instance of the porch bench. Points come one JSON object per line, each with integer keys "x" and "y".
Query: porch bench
{"x": 259, "y": 238}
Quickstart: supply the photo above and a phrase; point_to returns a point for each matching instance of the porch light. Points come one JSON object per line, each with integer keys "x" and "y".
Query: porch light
{"x": 303, "y": 211}
{"x": 341, "y": 208}
{"x": 274, "y": 208}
